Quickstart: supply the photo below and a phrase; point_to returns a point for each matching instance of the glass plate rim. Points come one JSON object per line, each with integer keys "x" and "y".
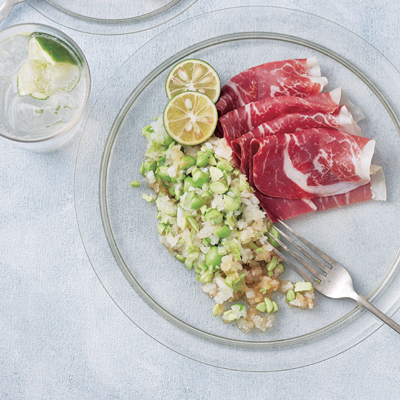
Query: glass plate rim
{"x": 116, "y": 73}
{"x": 127, "y": 23}
{"x": 150, "y": 14}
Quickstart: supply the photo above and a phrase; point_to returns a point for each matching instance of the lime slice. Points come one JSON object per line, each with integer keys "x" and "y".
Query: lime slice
{"x": 193, "y": 75}
{"x": 51, "y": 67}
{"x": 190, "y": 118}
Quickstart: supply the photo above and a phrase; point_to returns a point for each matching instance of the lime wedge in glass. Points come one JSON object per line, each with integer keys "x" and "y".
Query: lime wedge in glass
{"x": 193, "y": 75}
{"x": 190, "y": 118}
{"x": 51, "y": 67}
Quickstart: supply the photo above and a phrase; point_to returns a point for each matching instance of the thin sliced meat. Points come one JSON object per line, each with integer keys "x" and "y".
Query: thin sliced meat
{"x": 311, "y": 163}
{"x": 298, "y": 78}
{"x": 282, "y": 209}
{"x": 238, "y": 122}
{"x": 341, "y": 120}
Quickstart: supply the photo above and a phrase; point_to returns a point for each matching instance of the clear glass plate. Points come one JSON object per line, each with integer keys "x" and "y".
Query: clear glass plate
{"x": 118, "y": 228}
{"x": 106, "y": 17}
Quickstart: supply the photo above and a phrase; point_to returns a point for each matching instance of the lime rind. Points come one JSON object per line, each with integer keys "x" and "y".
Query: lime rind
{"x": 190, "y": 118}
{"x": 49, "y": 68}
{"x": 54, "y": 51}
{"x": 193, "y": 75}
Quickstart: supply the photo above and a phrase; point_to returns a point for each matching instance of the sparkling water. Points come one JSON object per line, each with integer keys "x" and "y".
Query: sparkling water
{"x": 23, "y": 117}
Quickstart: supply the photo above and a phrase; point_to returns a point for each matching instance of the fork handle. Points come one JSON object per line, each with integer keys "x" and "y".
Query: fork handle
{"x": 362, "y": 301}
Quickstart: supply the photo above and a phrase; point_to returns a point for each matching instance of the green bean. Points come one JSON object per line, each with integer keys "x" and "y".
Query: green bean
{"x": 223, "y": 232}
{"x": 161, "y": 161}
{"x": 275, "y": 233}
{"x": 188, "y": 183}
{"x": 200, "y": 178}
{"x": 290, "y": 295}
{"x": 193, "y": 223}
{"x": 252, "y": 245}
{"x": 214, "y": 217}
{"x": 269, "y": 305}
{"x": 178, "y": 194}
{"x": 281, "y": 267}
{"x": 212, "y": 257}
{"x": 206, "y": 150}
{"x": 272, "y": 264}
{"x": 163, "y": 173}
{"x": 202, "y": 159}
{"x": 207, "y": 277}
{"x": 262, "y": 307}
{"x": 147, "y": 166}
{"x": 212, "y": 160}
{"x": 234, "y": 191}
{"x": 303, "y": 286}
{"x": 218, "y": 187}
{"x": 196, "y": 203}
{"x": 161, "y": 227}
{"x": 231, "y": 204}
{"x": 186, "y": 162}
{"x": 218, "y": 309}
{"x": 189, "y": 263}
{"x": 224, "y": 166}
{"x": 202, "y": 266}
{"x": 135, "y": 184}
{"x": 148, "y": 198}
{"x": 180, "y": 258}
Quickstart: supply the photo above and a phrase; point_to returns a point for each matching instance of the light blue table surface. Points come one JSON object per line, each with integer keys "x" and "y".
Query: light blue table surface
{"x": 62, "y": 337}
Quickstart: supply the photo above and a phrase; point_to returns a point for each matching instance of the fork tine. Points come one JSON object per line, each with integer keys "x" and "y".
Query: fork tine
{"x": 323, "y": 255}
{"x": 310, "y": 268}
{"x": 294, "y": 266}
{"x": 304, "y": 251}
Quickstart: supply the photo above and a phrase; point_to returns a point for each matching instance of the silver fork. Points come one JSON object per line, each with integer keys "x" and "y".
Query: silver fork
{"x": 332, "y": 280}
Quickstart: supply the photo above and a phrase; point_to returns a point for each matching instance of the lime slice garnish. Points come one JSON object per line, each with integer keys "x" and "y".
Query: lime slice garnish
{"x": 190, "y": 118}
{"x": 50, "y": 67}
{"x": 193, "y": 75}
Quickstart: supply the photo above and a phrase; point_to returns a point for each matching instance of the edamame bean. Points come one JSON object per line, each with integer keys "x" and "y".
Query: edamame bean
{"x": 275, "y": 233}
{"x": 193, "y": 223}
{"x": 195, "y": 203}
{"x": 186, "y": 162}
{"x": 231, "y": 204}
{"x": 188, "y": 183}
{"x": 223, "y": 232}
{"x": 290, "y": 295}
{"x": 135, "y": 184}
{"x": 213, "y": 258}
{"x": 224, "y": 166}
{"x": 163, "y": 174}
{"x": 200, "y": 178}
{"x": 147, "y": 166}
{"x": 272, "y": 264}
{"x": 214, "y": 217}
{"x": 148, "y": 198}
{"x": 262, "y": 307}
{"x": 202, "y": 159}
{"x": 189, "y": 263}
{"x": 161, "y": 227}
{"x": 269, "y": 305}
{"x": 218, "y": 187}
